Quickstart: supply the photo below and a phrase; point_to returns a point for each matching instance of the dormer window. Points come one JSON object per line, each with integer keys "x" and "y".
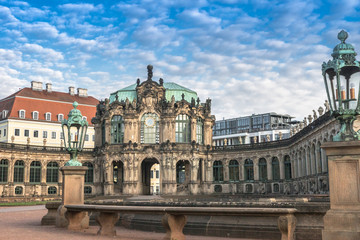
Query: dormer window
{"x": 4, "y": 113}
{"x": 35, "y": 115}
{"x": 60, "y": 117}
{"x": 48, "y": 116}
{"x": 22, "y": 114}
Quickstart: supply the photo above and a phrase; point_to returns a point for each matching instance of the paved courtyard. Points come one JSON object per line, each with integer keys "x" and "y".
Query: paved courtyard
{"x": 24, "y": 223}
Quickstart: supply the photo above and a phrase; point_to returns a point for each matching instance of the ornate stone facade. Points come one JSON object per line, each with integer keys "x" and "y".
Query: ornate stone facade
{"x": 143, "y": 125}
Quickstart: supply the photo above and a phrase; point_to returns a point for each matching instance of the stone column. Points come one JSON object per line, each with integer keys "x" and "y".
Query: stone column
{"x": 282, "y": 168}
{"x": 72, "y": 192}
{"x": 269, "y": 169}
{"x": 207, "y": 132}
{"x": 226, "y": 170}
{"x": 193, "y": 129}
{"x": 342, "y": 220}
{"x": 256, "y": 169}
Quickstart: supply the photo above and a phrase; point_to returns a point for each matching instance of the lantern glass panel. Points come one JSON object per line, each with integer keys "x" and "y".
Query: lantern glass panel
{"x": 82, "y": 132}
{"x": 331, "y": 86}
{"x": 74, "y": 135}
{"x": 354, "y": 90}
{"x": 66, "y": 135}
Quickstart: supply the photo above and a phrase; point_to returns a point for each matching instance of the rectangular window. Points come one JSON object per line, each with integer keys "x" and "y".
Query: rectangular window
{"x": 17, "y": 132}
{"x": 26, "y": 133}
{"x": 151, "y": 174}
{"x": 157, "y": 173}
{"x": 61, "y": 135}
{"x": 93, "y": 138}
{"x": 44, "y": 134}
{"x": 53, "y": 135}
{"x": 4, "y": 132}
{"x": 36, "y": 133}
{"x": 86, "y": 137}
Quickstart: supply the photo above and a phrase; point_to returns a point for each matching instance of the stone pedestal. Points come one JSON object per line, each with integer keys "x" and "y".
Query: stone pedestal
{"x": 342, "y": 221}
{"x": 72, "y": 193}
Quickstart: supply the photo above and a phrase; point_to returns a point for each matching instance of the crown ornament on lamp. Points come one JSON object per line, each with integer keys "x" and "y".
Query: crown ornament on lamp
{"x": 74, "y": 131}
{"x": 342, "y": 87}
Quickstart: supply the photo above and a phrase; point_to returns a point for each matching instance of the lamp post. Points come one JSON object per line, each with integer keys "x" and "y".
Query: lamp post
{"x": 341, "y": 221}
{"x": 342, "y": 86}
{"x": 73, "y": 173}
{"x": 74, "y": 131}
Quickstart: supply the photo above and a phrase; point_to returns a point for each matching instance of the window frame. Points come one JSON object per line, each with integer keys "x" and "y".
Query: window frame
{"x": 48, "y": 116}
{"x": 4, "y": 170}
{"x": 22, "y": 113}
{"x": 182, "y": 128}
{"x": 35, "y": 172}
{"x": 35, "y": 113}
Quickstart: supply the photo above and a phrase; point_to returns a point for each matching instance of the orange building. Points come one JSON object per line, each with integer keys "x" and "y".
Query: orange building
{"x": 33, "y": 115}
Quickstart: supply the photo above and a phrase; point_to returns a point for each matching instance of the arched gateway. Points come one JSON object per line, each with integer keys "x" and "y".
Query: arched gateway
{"x": 150, "y": 176}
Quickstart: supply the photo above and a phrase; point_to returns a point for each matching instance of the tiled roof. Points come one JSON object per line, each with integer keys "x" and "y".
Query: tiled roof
{"x": 44, "y": 102}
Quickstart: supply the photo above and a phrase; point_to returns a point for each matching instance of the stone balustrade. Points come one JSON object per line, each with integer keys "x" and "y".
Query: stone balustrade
{"x": 174, "y": 218}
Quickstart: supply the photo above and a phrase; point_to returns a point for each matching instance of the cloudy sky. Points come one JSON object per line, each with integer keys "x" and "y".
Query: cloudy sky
{"x": 247, "y": 56}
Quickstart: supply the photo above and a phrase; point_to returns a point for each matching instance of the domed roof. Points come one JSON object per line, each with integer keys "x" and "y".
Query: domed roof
{"x": 171, "y": 89}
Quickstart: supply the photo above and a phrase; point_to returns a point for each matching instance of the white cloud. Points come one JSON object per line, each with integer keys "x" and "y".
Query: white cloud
{"x": 46, "y": 53}
{"x": 81, "y": 8}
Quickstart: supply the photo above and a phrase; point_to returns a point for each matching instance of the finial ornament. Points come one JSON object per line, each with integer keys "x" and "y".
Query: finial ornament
{"x": 342, "y": 36}
{"x": 150, "y": 72}
{"x": 75, "y": 104}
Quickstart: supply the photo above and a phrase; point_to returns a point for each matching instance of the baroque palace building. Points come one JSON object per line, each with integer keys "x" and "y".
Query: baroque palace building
{"x": 161, "y": 129}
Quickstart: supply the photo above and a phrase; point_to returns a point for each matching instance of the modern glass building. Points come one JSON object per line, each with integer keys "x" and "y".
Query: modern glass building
{"x": 251, "y": 129}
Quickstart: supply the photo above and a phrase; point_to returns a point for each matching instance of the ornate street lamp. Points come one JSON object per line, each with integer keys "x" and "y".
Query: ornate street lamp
{"x": 342, "y": 86}
{"x": 74, "y": 131}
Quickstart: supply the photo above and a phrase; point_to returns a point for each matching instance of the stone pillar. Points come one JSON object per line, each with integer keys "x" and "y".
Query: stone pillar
{"x": 282, "y": 168}
{"x": 342, "y": 220}
{"x": 193, "y": 129}
{"x": 72, "y": 192}
{"x": 269, "y": 169}
{"x": 256, "y": 169}
{"x": 207, "y": 132}
{"x": 226, "y": 170}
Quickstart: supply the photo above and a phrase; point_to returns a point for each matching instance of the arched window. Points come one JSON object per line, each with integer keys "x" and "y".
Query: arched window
{"x": 182, "y": 129}
{"x": 199, "y": 131}
{"x": 48, "y": 116}
{"x": 52, "y": 172}
{"x": 180, "y": 172}
{"x": 89, "y": 175}
{"x": 275, "y": 168}
{"x": 4, "y": 165}
{"x": 262, "y": 169}
{"x": 249, "y": 170}
{"x": 287, "y": 164}
{"x": 19, "y": 171}
{"x": 149, "y": 131}
{"x": 218, "y": 171}
{"x": 117, "y": 130}
{"x": 35, "y": 172}
{"x": 233, "y": 171}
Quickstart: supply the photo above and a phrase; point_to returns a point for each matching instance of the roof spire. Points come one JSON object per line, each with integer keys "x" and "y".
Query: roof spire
{"x": 150, "y": 73}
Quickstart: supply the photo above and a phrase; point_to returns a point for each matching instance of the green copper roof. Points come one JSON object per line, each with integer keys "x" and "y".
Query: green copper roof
{"x": 171, "y": 89}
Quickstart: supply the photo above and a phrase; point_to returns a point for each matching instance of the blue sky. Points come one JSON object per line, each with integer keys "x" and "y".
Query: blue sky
{"x": 247, "y": 56}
